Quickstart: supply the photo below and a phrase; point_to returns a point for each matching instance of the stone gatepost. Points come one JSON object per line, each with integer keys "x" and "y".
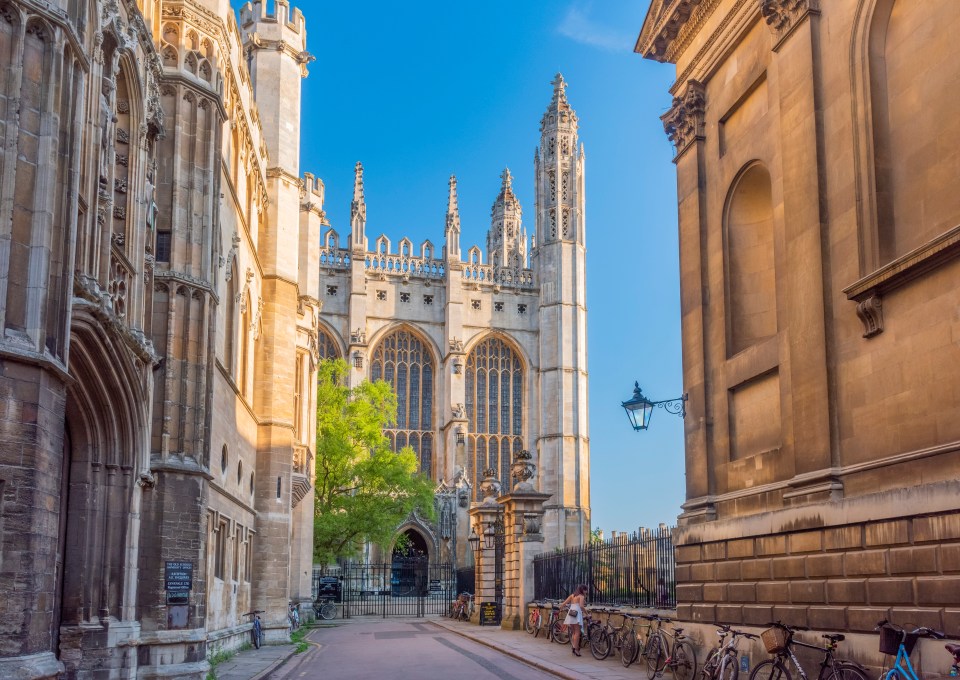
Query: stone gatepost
{"x": 483, "y": 516}
{"x": 523, "y": 519}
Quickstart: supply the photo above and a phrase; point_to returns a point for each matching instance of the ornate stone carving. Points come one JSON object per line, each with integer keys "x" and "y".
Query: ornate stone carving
{"x": 783, "y": 15}
{"x": 531, "y": 523}
{"x": 684, "y": 122}
{"x": 870, "y": 312}
{"x": 456, "y": 345}
{"x": 490, "y": 487}
{"x": 458, "y": 410}
{"x": 358, "y": 337}
{"x": 523, "y": 470}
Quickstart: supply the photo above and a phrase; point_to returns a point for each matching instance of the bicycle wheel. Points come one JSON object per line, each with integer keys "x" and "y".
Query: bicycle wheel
{"x": 710, "y": 664}
{"x": 729, "y": 668}
{"x": 561, "y": 633}
{"x": 538, "y": 624}
{"x": 771, "y": 669}
{"x": 328, "y": 610}
{"x": 257, "y": 637}
{"x": 683, "y": 661}
{"x": 628, "y": 650}
{"x": 843, "y": 671}
{"x": 530, "y": 624}
{"x": 599, "y": 643}
{"x": 655, "y": 656}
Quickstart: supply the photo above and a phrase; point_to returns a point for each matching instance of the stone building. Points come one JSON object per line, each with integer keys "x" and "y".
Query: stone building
{"x": 488, "y": 357}
{"x": 820, "y": 287}
{"x": 159, "y": 268}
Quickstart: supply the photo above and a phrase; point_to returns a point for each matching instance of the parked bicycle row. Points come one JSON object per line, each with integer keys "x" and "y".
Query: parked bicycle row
{"x": 658, "y": 644}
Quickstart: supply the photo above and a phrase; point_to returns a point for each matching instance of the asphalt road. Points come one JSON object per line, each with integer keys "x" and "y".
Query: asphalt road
{"x": 382, "y": 649}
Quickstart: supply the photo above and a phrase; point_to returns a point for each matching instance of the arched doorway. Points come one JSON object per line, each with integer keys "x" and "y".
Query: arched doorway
{"x": 411, "y": 545}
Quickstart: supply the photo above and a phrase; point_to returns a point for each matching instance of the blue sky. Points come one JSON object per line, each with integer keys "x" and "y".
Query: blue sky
{"x": 419, "y": 91}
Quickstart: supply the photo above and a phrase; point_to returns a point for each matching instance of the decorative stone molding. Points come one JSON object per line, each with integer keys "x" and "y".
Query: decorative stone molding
{"x": 782, "y": 16}
{"x": 531, "y": 523}
{"x": 684, "y": 123}
{"x": 870, "y": 311}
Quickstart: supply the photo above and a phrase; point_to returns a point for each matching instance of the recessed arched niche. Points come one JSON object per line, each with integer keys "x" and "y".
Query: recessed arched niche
{"x": 751, "y": 299}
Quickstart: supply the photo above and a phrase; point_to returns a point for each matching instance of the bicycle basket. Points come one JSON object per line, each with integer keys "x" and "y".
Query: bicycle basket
{"x": 890, "y": 638}
{"x": 774, "y": 639}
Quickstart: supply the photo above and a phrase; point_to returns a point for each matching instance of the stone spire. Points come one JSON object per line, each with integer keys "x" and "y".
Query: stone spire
{"x": 452, "y": 230}
{"x": 506, "y": 246}
{"x": 558, "y": 167}
{"x": 358, "y": 211}
{"x": 558, "y": 113}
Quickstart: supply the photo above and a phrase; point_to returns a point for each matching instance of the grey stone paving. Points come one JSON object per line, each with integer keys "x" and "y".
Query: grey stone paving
{"x": 253, "y": 664}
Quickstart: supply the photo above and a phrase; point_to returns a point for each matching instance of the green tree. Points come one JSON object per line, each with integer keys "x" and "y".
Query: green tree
{"x": 364, "y": 489}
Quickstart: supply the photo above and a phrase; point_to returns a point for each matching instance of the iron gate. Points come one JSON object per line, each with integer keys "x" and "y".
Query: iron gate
{"x": 404, "y": 587}
{"x": 500, "y": 544}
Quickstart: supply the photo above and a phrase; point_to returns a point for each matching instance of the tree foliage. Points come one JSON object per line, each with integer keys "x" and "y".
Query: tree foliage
{"x": 364, "y": 489}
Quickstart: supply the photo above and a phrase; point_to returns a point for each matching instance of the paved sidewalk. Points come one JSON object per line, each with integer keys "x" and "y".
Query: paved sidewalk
{"x": 543, "y": 654}
{"x": 254, "y": 664}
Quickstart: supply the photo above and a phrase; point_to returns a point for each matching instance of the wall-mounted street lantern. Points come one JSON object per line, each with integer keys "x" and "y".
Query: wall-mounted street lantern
{"x": 474, "y": 540}
{"x": 489, "y": 537}
{"x": 639, "y": 409}
{"x": 461, "y": 437}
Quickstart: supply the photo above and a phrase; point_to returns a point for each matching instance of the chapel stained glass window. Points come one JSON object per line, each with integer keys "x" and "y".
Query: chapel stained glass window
{"x": 404, "y": 360}
{"x": 494, "y": 393}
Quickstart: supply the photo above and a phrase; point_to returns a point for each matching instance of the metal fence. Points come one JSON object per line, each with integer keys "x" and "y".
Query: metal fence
{"x": 400, "y": 588}
{"x": 636, "y": 570}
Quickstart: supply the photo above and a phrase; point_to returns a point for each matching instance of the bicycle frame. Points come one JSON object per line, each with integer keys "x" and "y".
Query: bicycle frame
{"x": 899, "y": 668}
{"x": 788, "y": 654}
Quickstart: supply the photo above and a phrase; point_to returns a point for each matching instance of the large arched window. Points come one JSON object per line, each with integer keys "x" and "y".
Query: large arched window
{"x": 494, "y": 396}
{"x": 404, "y": 360}
{"x": 326, "y": 346}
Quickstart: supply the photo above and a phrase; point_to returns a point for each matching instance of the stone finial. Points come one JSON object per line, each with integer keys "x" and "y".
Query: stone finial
{"x": 452, "y": 230}
{"x": 358, "y": 211}
{"x": 684, "y": 122}
{"x": 559, "y": 113}
{"x": 523, "y": 470}
{"x": 490, "y": 487}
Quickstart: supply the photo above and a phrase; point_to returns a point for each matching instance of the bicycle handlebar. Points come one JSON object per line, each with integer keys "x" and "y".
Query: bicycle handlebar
{"x": 923, "y": 631}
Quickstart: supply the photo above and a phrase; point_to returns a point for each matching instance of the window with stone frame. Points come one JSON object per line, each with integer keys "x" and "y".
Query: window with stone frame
{"x": 404, "y": 360}
{"x": 495, "y": 409}
{"x": 327, "y": 346}
{"x": 237, "y": 536}
{"x": 219, "y": 549}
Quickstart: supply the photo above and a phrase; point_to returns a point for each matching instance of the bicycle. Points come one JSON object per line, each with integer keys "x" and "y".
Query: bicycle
{"x": 460, "y": 609}
{"x": 534, "y": 620}
{"x": 534, "y": 623}
{"x": 779, "y": 641}
{"x": 256, "y": 632}
{"x": 955, "y": 652}
{"x": 606, "y": 637}
{"x": 633, "y": 641}
{"x": 327, "y": 609}
{"x": 675, "y": 652}
{"x": 896, "y": 640}
{"x": 721, "y": 662}
{"x": 294, "y": 616}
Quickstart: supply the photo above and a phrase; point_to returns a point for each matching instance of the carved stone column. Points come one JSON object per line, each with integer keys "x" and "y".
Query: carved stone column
{"x": 482, "y": 519}
{"x": 523, "y": 518}
{"x": 685, "y": 125}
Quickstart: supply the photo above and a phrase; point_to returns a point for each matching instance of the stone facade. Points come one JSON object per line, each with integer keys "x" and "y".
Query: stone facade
{"x": 159, "y": 269}
{"x": 488, "y": 358}
{"x": 819, "y": 288}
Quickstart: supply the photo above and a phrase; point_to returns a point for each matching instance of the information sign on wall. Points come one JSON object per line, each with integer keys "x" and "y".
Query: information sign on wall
{"x": 489, "y": 614}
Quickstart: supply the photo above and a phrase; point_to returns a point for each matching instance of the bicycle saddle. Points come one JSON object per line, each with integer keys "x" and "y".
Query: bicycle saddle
{"x": 677, "y": 631}
{"x": 953, "y": 649}
{"x": 834, "y": 637}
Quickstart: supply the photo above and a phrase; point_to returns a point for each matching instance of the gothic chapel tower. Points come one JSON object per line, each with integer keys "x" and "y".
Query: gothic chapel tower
{"x": 559, "y": 256}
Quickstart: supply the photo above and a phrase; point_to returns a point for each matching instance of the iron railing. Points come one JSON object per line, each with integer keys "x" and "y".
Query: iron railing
{"x": 636, "y": 570}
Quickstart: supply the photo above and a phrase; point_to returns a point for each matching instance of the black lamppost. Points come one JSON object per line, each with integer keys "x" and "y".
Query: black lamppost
{"x": 639, "y": 409}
